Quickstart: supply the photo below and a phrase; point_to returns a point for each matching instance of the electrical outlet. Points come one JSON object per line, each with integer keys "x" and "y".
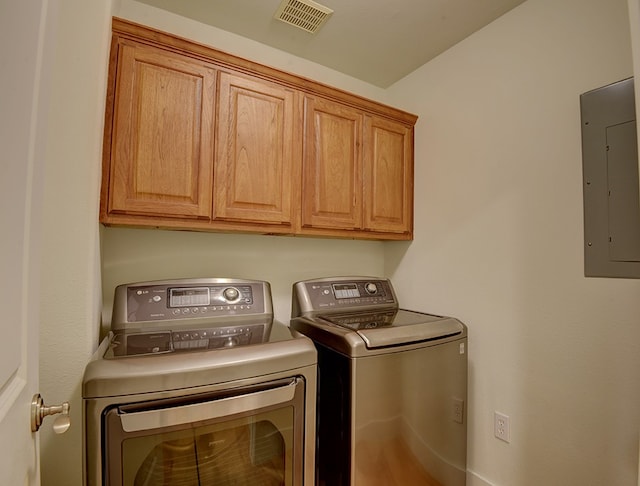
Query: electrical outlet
{"x": 458, "y": 410}
{"x": 501, "y": 426}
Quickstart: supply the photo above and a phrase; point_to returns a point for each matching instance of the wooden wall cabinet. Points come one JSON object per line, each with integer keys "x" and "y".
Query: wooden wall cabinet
{"x": 332, "y": 166}
{"x": 357, "y": 172}
{"x": 257, "y": 141}
{"x": 202, "y": 140}
{"x": 388, "y": 175}
{"x": 162, "y": 134}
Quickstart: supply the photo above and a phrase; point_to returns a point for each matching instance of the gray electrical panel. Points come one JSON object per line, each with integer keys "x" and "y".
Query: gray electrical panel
{"x": 610, "y": 182}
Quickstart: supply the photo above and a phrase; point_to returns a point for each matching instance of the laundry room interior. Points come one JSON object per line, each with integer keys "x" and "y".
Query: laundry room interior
{"x": 497, "y": 239}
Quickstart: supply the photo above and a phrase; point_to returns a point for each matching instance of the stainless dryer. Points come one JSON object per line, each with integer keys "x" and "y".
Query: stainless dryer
{"x": 197, "y": 384}
{"x": 392, "y": 386}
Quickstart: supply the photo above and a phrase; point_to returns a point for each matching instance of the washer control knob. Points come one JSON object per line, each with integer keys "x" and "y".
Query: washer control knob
{"x": 231, "y": 294}
{"x": 156, "y": 298}
{"x": 371, "y": 288}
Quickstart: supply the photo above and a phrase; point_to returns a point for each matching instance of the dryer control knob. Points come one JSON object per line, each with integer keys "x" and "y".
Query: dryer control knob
{"x": 371, "y": 288}
{"x": 231, "y": 294}
{"x": 231, "y": 341}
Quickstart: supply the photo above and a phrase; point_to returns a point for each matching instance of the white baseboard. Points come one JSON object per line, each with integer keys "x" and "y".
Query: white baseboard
{"x": 474, "y": 479}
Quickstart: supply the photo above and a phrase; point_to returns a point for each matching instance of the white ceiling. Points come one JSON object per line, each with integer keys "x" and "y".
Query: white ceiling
{"x": 377, "y": 41}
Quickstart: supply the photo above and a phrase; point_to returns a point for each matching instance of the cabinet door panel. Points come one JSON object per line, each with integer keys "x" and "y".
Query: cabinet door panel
{"x": 256, "y": 140}
{"x": 388, "y": 174}
{"x": 162, "y": 134}
{"x": 332, "y": 172}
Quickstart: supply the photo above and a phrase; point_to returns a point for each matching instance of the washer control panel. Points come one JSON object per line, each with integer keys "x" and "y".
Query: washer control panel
{"x": 342, "y": 293}
{"x": 167, "y": 301}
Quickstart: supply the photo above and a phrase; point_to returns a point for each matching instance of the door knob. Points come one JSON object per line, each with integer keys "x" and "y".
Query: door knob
{"x": 39, "y": 411}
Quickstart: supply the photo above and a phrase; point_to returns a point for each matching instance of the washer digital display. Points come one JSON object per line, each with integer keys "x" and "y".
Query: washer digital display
{"x": 189, "y": 297}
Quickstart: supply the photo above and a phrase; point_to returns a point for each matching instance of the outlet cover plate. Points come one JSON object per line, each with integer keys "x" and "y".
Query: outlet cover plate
{"x": 501, "y": 426}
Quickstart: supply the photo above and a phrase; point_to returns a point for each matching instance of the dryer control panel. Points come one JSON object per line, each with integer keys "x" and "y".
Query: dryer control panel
{"x": 165, "y": 302}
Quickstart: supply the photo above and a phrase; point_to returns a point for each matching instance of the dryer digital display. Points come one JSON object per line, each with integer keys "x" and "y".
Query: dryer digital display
{"x": 190, "y": 296}
{"x": 346, "y": 291}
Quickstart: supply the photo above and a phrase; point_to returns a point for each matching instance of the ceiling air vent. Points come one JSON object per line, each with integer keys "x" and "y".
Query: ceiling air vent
{"x": 304, "y": 14}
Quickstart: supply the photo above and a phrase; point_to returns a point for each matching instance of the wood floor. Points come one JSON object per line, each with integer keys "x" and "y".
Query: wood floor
{"x": 390, "y": 463}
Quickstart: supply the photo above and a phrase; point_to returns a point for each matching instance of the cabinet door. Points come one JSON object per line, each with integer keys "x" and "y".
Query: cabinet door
{"x": 162, "y": 152}
{"x": 388, "y": 176}
{"x": 332, "y": 171}
{"x": 257, "y": 140}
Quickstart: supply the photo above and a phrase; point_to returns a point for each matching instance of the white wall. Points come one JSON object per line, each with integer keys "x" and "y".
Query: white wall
{"x": 72, "y": 276}
{"x": 135, "y": 255}
{"x": 499, "y": 238}
{"x": 243, "y": 47}
{"x": 70, "y": 281}
{"x": 498, "y": 235}
{"x": 131, "y": 255}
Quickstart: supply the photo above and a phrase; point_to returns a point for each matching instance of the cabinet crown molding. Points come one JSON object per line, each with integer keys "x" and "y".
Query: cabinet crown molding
{"x": 141, "y": 33}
